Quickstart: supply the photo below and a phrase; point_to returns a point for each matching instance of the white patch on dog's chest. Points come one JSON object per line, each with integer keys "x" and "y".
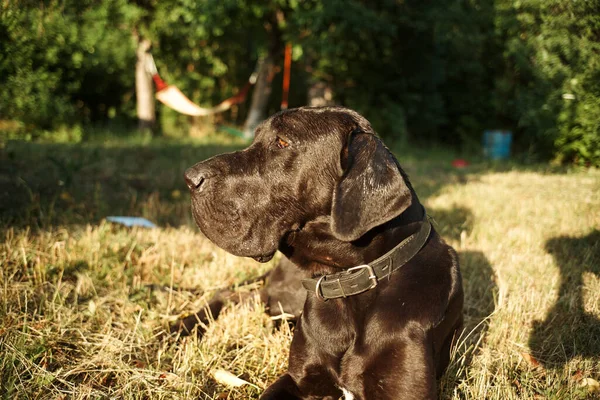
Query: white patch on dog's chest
{"x": 347, "y": 394}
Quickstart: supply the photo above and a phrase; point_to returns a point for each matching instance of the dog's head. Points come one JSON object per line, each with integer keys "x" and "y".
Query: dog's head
{"x": 303, "y": 164}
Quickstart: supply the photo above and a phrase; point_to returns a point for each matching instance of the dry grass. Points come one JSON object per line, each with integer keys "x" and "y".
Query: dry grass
{"x": 84, "y": 304}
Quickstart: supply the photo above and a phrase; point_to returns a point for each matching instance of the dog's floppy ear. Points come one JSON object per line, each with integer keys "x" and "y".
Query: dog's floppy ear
{"x": 371, "y": 191}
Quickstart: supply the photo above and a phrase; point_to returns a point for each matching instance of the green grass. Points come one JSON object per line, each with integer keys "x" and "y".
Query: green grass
{"x": 84, "y": 304}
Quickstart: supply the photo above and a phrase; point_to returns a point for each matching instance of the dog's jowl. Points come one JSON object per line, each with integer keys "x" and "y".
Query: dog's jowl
{"x": 384, "y": 290}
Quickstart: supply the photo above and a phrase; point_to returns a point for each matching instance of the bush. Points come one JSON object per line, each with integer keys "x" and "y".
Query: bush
{"x": 550, "y": 78}
{"x": 65, "y": 62}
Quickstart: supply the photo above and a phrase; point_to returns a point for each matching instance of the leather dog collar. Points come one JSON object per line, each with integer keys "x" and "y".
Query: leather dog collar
{"x": 365, "y": 277}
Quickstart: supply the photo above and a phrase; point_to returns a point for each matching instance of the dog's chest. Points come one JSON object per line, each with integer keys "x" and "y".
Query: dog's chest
{"x": 347, "y": 394}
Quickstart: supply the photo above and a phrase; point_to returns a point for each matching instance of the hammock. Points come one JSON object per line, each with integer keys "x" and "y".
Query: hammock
{"x": 173, "y": 98}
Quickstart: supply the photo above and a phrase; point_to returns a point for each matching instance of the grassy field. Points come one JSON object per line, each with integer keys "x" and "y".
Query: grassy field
{"x": 85, "y": 304}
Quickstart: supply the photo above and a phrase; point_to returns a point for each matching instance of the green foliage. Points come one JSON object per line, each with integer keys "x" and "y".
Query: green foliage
{"x": 548, "y": 88}
{"x": 438, "y": 71}
{"x": 65, "y": 61}
{"x": 427, "y": 63}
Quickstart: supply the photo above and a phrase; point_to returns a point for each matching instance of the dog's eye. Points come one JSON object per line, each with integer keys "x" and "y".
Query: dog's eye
{"x": 282, "y": 144}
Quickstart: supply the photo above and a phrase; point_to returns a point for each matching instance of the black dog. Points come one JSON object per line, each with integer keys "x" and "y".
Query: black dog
{"x": 385, "y": 298}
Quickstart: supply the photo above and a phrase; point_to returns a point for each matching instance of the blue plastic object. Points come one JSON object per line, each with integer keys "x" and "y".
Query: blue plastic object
{"x": 132, "y": 221}
{"x": 496, "y": 144}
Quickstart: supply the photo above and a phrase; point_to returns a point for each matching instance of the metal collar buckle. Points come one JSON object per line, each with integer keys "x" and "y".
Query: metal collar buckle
{"x": 372, "y": 275}
{"x": 318, "y": 289}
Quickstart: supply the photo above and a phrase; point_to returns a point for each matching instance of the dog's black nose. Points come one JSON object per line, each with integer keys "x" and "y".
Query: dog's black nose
{"x": 194, "y": 177}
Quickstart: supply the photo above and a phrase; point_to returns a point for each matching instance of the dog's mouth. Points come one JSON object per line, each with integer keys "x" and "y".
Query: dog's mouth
{"x": 263, "y": 259}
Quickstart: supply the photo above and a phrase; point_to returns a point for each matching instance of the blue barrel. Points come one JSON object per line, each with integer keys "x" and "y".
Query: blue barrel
{"x": 496, "y": 144}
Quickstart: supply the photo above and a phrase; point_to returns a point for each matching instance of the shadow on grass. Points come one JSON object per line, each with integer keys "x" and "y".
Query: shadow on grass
{"x": 568, "y": 330}
{"x": 44, "y": 185}
{"x": 480, "y": 296}
{"x": 452, "y": 223}
{"x": 480, "y": 290}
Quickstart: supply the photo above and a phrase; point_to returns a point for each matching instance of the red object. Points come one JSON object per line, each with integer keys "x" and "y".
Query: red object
{"x": 287, "y": 64}
{"x": 241, "y": 96}
{"x": 460, "y": 163}
{"x": 160, "y": 84}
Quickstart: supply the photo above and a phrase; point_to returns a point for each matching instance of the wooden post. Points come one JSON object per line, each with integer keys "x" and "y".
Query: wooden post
{"x": 266, "y": 73}
{"x": 144, "y": 90}
{"x": 260, "y": 96}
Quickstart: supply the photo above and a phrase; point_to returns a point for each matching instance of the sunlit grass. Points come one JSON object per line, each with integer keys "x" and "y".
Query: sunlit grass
{"x": 84, "y": 304}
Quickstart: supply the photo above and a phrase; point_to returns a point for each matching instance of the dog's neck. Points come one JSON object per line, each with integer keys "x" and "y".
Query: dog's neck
{"x": 316, "y": 250}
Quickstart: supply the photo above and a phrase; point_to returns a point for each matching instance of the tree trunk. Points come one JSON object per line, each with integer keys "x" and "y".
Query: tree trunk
{"x": 260, "y": 96}
{"x": 144, "y": 90}
{"x": 266, "y": 73}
